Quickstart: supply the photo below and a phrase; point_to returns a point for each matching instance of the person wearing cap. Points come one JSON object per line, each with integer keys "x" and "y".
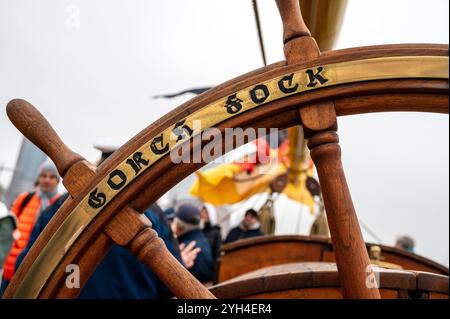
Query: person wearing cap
{"x": 186, "y": 227}
{"x": 250, "y": 227}
{"x": 211, "y": 229}
{"x": 27, "y": 208}
{"x": 120, "y": 275}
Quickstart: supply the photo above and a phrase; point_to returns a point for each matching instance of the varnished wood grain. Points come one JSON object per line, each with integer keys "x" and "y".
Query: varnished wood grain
{"x": 315, "y": 281}
{"x": 78, "y": 177}
{"x": 133, "y": 230}
{"x": 240, "y": 261}
{"x": 432, "y": 282}
{"x": 320, "y": 124}
{"x": 319, "y": 293}
{"x": 253, "y": 253}
{"x": 30, "y": 122}
{"x": 151, "y": 250}
{"x": 291, "y": 16}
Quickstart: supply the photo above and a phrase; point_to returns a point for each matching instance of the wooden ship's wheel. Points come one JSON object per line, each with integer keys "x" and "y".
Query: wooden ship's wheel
{"x": 310, "y": 89}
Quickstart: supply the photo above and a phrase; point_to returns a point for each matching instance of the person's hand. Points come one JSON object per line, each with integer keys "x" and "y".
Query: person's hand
{"x": 189, "y": 254}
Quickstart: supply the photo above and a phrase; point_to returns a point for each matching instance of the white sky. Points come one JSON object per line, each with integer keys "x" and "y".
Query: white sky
{"x": 96, "y": 81}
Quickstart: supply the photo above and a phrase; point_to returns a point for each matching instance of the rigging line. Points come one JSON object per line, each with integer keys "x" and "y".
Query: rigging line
{"x": 370, "y": 232}
{"x": 260, "y": 35}
{"x": 239, "y": 205}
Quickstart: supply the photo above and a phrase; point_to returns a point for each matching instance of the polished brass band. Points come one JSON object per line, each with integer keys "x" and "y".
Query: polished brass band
{"x": 211, "y": 115}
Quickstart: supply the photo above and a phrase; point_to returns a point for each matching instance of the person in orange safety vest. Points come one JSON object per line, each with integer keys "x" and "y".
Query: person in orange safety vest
{"x": 27, "y": 207}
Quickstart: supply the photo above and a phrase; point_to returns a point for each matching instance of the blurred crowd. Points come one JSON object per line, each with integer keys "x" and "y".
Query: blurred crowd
{"x": 190, "y": 232}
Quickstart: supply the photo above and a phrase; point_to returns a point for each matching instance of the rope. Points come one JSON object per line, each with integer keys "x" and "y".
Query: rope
{"x": 370, "y": 232}
{"x": 260, "y": 36}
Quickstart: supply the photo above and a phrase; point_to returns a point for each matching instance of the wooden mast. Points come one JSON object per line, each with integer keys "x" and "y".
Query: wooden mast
{"x": 320, "y": 124}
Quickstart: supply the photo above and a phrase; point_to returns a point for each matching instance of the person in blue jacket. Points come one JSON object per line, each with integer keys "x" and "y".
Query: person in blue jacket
{"x": 186, "y": 226}
{"x": 120, "y": 274}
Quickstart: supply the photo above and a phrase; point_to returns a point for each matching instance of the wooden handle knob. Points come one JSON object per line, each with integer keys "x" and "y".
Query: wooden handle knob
{"x": 293, "y": 24}
{"x": 30, "y": 122}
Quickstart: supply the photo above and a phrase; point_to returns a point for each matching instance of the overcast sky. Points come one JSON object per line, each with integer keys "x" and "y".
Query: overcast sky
{"x": 93, "y": 78}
